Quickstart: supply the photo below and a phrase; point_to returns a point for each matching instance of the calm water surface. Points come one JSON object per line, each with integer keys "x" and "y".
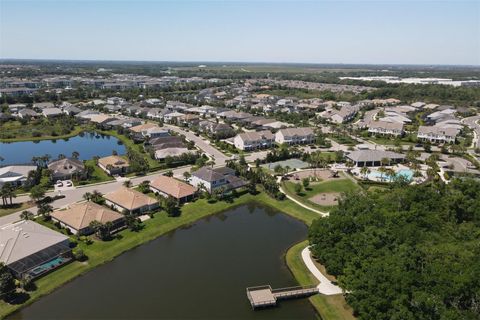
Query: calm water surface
{"x": 88, "y": 144}
{"x": 195, "y": 273}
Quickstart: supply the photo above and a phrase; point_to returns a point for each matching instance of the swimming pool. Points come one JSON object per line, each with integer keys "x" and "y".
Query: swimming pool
{"x": 48, "y": 265}
{"x": 406, "y": 173}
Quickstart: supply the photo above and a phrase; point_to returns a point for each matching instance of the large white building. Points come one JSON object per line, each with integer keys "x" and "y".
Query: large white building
{"x": 254, "y": 140}
{"x": 293, "y": 136}
{"x": 386, "y": 128}
{"x": 437, "y": 134}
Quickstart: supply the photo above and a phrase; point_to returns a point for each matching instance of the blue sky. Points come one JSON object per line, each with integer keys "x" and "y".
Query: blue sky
{"x": 399, "y": 32}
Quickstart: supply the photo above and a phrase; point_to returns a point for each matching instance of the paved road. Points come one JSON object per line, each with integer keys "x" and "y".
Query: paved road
{"x": 473, "y": 123}
{"x": 219, "y": 157}
{"x": 75, "y": 195}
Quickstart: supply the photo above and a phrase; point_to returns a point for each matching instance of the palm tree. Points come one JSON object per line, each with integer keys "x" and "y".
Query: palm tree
{"x": 127, "y": 183}
{"x": 382, "y": 171}
{"x": 87, "y": 196}
{"x": 75, "y": 154}
{"x": 7, "y": 192}
{"x": 96, "y": 196}
{"x": 365, "y": 171}
{"x": 44, "y": 209}
{"x": 26, "y": 215}
{"x": 186, "y": 175}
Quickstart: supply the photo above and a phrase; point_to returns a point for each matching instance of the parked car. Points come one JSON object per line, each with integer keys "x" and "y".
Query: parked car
{"x": 69, "y": 183}
{"x": 59, "y": 184}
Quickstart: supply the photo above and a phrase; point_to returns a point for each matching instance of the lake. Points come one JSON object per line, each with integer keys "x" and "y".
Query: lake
{"x": 88, "y": 145}
{"x": 198, "y": 272}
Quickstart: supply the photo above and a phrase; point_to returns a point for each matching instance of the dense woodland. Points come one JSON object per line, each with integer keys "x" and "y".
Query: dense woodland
{"x": 409, "y": 253}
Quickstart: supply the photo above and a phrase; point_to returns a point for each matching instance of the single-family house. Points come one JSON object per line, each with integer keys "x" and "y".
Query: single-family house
{"x": 77, "y": 217}
{"x": 15, "y": 175}
{"x": 114, "y": 165}
{"x": 171, "y": 187}
{"x": 132, "y": 201}
{"x": 27, "y": 248}
{"x": 51, "y": 112}
{"x": 66, "y": 168}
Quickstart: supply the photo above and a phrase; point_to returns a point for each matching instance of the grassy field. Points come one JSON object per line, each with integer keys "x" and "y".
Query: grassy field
{"x": 15, "y": 207}
{"x": 13, "y": 131}
{"x": 329, "y": 307}
{"x": 340, "y": 186}
{"x": 101, "y": 252}
{"x": 389, "y": 141}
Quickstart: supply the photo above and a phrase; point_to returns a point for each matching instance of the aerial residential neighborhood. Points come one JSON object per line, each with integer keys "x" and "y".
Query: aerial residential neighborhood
{"x": 239, "y": 160}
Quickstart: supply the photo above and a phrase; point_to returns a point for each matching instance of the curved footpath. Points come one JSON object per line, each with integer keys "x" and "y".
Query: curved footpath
{"x": 322, "y": 213}
{"x": 325, "y": 286}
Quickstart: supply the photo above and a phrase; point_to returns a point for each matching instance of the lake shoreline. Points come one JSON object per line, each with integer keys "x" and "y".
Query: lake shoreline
{"x": 70, "y": 272}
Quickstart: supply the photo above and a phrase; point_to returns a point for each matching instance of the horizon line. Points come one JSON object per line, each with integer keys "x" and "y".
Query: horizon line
{"x": 2, "y": 60}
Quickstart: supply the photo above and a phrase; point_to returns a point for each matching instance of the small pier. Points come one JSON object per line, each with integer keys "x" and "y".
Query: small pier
{"x": 265, "y": 296}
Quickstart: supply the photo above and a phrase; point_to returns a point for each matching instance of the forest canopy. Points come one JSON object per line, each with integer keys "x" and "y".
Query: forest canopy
{"x": 407, "y": 253}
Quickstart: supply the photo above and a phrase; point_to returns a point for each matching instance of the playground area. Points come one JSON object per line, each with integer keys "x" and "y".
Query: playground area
{"x": 326, "y": 199}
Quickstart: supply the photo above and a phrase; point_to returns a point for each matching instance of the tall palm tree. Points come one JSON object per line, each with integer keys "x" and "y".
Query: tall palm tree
{"x": 365, "y": 171}
{"x": 87, "y": 196}
{"x": 26, "y": 215}
{"x": 96, "y": 196}
{"x": 8, "y": 192}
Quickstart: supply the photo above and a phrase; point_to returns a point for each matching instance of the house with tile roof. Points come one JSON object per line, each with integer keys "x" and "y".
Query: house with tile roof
{"x": 132, "y": 201}
{"x": 77, "y": 217}
{"x": 171, "y": 187}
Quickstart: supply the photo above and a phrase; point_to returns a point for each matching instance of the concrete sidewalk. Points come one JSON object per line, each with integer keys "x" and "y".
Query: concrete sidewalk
{"x": 325, "y": 287}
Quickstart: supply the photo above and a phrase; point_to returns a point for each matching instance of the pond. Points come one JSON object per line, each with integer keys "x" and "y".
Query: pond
{"x": 197, "y": 272}
{"x": 88, "y": 145}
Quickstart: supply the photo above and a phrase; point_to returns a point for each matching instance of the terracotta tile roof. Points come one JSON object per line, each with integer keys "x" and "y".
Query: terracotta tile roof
{"x": 129, "y": 199}
{"x": 115, "y": 161}
{"x": 79, "y": 216}
{"x": 172, "y": 187}
{"x": 143, "y": 127}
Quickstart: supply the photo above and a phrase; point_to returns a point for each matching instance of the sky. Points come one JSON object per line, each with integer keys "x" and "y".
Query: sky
{"x": 351, "y": 32}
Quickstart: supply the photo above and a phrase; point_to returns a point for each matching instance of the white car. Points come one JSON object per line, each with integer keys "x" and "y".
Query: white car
{"x": 59, "y": 184}
{"x": 69, "y": 183}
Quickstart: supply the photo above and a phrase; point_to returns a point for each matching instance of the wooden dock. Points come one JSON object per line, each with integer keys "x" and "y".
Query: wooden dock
{"x": 265, "y": 296}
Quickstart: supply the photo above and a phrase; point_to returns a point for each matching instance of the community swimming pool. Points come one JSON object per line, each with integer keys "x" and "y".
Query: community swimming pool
{"x": 377, "y": 175}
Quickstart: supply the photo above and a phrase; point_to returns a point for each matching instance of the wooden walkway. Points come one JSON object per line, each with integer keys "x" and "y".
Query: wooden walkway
{"x": 265, "y": 296}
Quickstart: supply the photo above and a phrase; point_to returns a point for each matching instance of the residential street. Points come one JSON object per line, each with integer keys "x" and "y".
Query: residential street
{"x": 75, "y": 195}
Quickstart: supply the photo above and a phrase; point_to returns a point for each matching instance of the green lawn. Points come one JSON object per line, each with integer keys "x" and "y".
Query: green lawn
{"x": 101, "y": 252}
{"x": 14, "y": 131}
{"x": 389, "y": 141}
{"x": 98, "y": 174}
{"x": 341, "y": 185}
{"x": 14, "y": 208}
{"x": 329, "y": 307}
